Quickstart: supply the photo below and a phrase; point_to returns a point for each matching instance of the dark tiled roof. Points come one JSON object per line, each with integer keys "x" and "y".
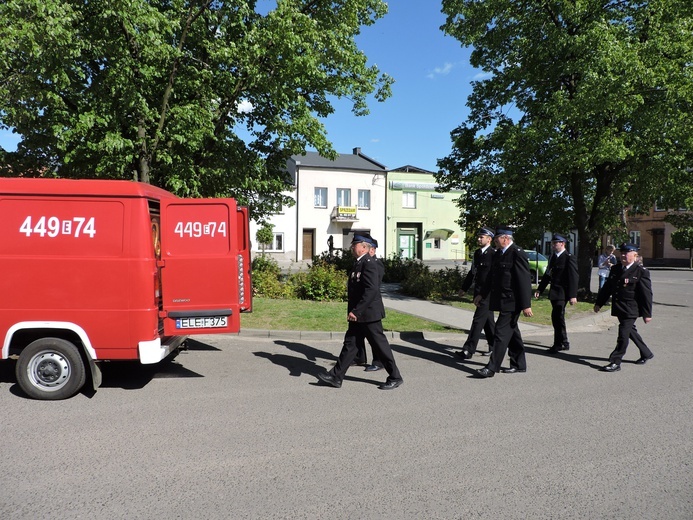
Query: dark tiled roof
{"x": 350, "y": 161}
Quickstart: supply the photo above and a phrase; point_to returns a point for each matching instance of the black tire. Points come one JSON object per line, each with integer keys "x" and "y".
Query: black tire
{"x": 50, "y": 369}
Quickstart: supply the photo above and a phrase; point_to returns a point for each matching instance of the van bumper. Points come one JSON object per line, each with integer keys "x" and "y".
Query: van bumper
{"x": 154, "y": 351}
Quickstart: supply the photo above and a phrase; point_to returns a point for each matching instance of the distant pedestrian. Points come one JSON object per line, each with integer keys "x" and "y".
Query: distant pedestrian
{"x": 483, "y": 316}
{"x": 604, "y": 263}
{"x": 365, "y": 312}
{"x": 509, "y": 289}
{"x": 630, "y": 286}
{"x": 562, "y": 274}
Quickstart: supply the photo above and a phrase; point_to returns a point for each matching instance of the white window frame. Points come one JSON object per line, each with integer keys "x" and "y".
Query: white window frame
{"x": 634, "y": 238}
{"x": 277, "y": 245}
{"x": 365, "y": 194}
{"x": 320, "y": 193}
{"x": 407, "y": 201}
{"x": 340, "y": 196}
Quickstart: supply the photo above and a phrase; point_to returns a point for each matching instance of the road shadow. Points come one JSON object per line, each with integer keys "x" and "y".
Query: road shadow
{"x": 577, "y": 359}
{"x": 435, "y": 352}
{"x": 132, "y": 375}
{"x": 200, "y": 346}
{"x": 298, "y": 365}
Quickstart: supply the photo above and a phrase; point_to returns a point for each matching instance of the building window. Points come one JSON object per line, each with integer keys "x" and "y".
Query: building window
{"x": 320, "y": 198}
{"x": 277, "y": 244}
{"x": 409, "y": 199}
{"x": 659, "y": 206}
{"x": 635, "y": 238}
{"x": 436, "y": 243}
{"x": 364, "y": 199}
{"x": 343, "y": 197}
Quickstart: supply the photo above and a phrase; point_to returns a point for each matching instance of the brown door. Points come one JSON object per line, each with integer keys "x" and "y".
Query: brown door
{"x": 308, "y": 244}
{"x": 657, "y": 243}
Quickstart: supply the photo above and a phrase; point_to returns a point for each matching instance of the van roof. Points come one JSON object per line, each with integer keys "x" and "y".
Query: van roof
{"x": 81, "y": 187}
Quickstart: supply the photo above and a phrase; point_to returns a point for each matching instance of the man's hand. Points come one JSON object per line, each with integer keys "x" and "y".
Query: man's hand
{"x": 351, "y": 317}
{"x": 528, "y": 312}
{"x": 536, "y": 295}
{"x": 461, "y": 293}
{"x": 477, "y": 299}
{"x": 647, "y": 320}
{"x": 596, "y": 308}
{"x": 572, "y": 301}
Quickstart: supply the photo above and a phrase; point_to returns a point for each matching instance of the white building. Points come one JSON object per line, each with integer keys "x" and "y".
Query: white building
{"x": 333, "y": 199}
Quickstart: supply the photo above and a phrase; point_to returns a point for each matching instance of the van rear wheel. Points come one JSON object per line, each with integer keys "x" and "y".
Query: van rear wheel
{"x": 50, "y": 369}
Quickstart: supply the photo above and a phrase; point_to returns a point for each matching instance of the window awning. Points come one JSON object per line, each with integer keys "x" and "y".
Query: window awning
{"x": 441, "y": 233}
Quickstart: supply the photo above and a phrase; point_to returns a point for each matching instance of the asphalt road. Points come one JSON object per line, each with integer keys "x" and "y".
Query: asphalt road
{"x": 239, "y": 428}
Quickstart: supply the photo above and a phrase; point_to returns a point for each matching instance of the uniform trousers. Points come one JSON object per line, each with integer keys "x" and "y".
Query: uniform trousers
{"x": 482, "y": 320}
{"x": 373, "y": 332}
{"x": 626, "y": 331}
{"x": 508, "y": 338}
{"x": 560, "y": 335}
{"x": 361, "y": 358}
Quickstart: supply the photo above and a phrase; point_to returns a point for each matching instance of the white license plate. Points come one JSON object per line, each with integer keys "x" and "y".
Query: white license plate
{"x": 207, "y": 322}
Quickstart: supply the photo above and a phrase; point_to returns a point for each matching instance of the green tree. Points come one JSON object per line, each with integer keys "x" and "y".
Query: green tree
{"x": 265, "y": 236}
{"x": 201, "y": 97}
{"x": 682, "y": 238}
{"x": 584, "y": 110}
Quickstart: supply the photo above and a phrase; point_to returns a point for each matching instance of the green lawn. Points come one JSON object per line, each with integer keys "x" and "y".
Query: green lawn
{"x": 307, "y": 315}
{"x": 269, "y": 314}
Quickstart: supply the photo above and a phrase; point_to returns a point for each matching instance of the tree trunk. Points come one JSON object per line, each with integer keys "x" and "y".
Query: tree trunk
{"x": 586, "y": 248}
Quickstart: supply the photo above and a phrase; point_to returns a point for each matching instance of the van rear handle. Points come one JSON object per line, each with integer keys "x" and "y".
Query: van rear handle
{"x": 200, "y": 314}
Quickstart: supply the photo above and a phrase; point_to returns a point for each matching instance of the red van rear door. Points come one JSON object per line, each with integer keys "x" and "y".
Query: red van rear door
{"x": 199, "y": 266}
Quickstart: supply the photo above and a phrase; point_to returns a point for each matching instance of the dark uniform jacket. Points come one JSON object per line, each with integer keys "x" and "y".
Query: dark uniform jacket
{"x": 481, "y": 267}
{"x": 562, "y": 274}
{"x": 631, "y": 291}
{"x": 363, "y": 290}
{"x": 509, "y": 283}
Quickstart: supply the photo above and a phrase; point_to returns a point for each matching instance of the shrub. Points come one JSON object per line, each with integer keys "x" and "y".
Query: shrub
{"x": 421, "y": 282}
{"x": 320, "y": 283}
{"x": 340, "y": 259}
{"x": 267, "y": 284}
{"x": 265, "y": 264}
{"x": 398, "y": 269}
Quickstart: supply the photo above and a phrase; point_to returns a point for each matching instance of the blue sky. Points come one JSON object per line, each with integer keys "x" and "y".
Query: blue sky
{"x": 432, "y": 82}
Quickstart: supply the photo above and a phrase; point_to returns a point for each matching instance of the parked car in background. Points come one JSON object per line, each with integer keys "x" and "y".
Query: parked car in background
{"x": 537, "y": 264}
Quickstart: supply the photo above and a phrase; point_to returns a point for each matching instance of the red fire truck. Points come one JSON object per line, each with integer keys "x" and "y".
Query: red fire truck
{"x": 96, "y": 270}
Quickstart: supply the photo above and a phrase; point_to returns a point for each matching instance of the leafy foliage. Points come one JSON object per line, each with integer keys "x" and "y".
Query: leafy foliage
{"x": 584, "y": 111}
{"x": 682, "y": 238}
{"x": 204, "y": 98}
{"x": 320, "y": 283}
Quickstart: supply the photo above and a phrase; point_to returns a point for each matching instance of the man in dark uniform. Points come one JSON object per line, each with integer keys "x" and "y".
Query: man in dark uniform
{"x": 365, "y": 312}
{"x": 629, "y": 284}
{"x": 361, "y": 340}
{"x": 562, "y": 274}
{"x": 483, "y": 317}
{"x": 509, "y": 289}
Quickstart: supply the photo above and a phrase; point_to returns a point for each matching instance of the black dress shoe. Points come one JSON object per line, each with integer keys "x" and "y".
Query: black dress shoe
{"x": 486, "y": 353}
{"x": 391, "y": 385}
{"x": 373, "y": 368}
{"x": 558, "y": 348}
{"x": 643, "y": 360}
{"x": 328, "y": 378}
{"x": 513, "y": 370}
{"x": 485, "y": 372}
{"x": 464, "y": 354}
{"x": 611, "y": 367}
